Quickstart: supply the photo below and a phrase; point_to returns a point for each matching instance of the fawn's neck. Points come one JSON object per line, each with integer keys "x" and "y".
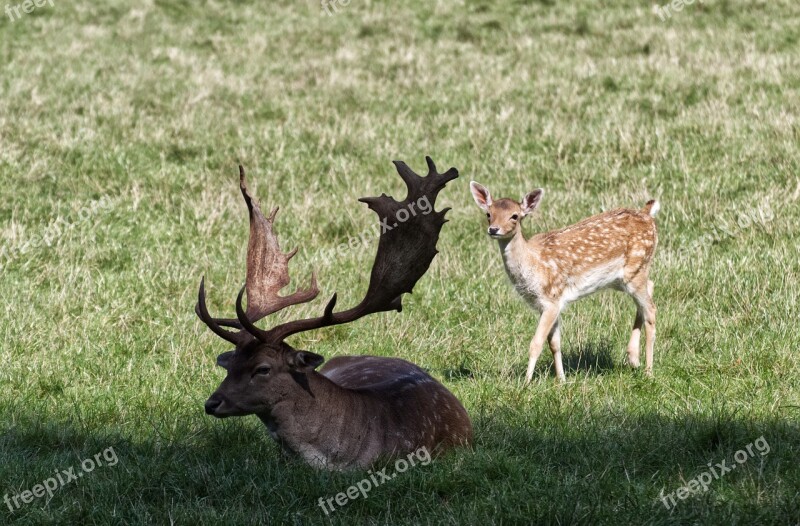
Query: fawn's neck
{"x": 519, "y": 256}
{"x": 514, "y": 250}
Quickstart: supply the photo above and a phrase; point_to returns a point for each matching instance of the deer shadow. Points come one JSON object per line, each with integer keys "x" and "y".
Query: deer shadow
{"x": 592, "y": 358}
{"x": 209, "y": 464}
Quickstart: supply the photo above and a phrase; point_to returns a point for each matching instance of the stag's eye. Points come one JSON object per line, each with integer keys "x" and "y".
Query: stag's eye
{"x": 515, "y": 217}
{"x": 264, "y": 369}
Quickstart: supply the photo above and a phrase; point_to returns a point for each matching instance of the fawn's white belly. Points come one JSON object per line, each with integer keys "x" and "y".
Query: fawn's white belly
{"x": 608, "y": 275}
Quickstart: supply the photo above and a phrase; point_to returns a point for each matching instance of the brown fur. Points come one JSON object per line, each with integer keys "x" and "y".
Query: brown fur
{"x": 352, "y": 412}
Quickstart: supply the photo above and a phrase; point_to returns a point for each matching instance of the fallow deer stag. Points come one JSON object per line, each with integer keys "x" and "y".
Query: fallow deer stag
{"x": 355, "y": 409}
{"x": 550, "y": 270}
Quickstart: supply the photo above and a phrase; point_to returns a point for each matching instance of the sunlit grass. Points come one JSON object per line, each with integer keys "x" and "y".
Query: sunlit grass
{"x": 148, "y": 106}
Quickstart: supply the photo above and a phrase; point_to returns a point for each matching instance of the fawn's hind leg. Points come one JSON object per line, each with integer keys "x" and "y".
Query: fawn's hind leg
{"x": 650, "y": 329}
{"x": 633, "y": 343}
{"x": 642, "y": 294}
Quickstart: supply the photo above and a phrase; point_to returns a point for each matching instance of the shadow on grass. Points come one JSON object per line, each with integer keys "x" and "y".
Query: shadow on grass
{"x": 609, "y": 469}
{"x": 457, "y": 373}
{"x": 592, "y": 358}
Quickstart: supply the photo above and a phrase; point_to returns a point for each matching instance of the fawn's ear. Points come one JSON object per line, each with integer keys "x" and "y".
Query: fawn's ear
{"x": 531, "y": 201}
{"x": 481, "y": 195}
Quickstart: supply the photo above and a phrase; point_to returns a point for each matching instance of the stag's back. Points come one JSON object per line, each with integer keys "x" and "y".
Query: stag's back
{"x": 419, "y": 410}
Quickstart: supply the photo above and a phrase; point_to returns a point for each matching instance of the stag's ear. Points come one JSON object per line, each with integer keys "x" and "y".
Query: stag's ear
{"x": 224, "y": 359}
{"x": 481, "y": 195}
{"x": 304, "y": 361}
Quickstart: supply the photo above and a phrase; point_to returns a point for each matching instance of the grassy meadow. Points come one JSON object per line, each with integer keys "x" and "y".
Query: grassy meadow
{"x": 121, "y": 124}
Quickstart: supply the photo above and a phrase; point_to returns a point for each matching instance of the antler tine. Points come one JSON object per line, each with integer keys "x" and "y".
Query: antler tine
{"x": 248, "y": 325}
{"x": 229, "y": 322}
{"x": 406, "y": 249}
{"x": 202, "y": 312}
{"x": 431, "y": 165}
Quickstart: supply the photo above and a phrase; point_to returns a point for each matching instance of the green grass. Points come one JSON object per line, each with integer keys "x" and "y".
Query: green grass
{"x": 121, "y": 124}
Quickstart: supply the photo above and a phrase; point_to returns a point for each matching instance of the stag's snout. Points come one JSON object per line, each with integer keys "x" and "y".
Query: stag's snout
{"x": 223, "y": 404}
{"x": 212, "y": 404}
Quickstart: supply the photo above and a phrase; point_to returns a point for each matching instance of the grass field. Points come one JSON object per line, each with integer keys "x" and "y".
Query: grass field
{"x": 121, "y": 124}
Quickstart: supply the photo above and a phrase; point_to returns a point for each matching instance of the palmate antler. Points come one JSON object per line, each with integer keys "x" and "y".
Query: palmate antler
{"x": 406, "y": 249}
{"x": 267, "y": 274}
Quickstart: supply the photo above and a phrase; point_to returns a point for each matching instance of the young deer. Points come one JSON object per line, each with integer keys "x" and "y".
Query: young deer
{"x": 552, "y": 269}
{"x": 355, "y": 409}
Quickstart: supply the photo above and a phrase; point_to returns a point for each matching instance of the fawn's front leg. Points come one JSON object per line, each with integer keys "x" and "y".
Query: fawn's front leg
{"x": 546, "y": 322}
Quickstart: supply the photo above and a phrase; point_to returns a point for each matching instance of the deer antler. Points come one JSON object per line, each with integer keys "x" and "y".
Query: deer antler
{"x": 267, "y": 274}
{"x": 406, "y": 249}
{"x": 267, "y": 266}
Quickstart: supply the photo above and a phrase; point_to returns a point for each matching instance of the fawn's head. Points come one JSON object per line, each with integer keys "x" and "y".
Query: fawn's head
{"x": 505, "y": 215}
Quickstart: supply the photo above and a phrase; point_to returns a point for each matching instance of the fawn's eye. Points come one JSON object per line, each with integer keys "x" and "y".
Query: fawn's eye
{"x": 488, "y": 215}
{"x": 515, "y": 217}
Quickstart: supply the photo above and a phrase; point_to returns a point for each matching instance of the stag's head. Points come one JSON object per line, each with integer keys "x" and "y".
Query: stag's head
{"x": 263, "y": 370}
{"x": 258, "y": 375}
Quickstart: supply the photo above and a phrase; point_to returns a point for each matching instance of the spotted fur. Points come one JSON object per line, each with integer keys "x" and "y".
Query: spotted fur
{"x": 614, "y": 250}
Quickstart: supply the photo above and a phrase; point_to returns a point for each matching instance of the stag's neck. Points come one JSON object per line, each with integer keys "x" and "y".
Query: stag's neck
{"x": 318, "y": 421}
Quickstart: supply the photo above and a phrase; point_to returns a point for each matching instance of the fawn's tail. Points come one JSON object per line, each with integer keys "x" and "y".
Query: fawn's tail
{"x": 651, "y": 208}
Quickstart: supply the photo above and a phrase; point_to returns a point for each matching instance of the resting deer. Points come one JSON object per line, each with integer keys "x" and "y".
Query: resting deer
{"x": 355, "y": 409}
{"x": 552, "y": 269}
